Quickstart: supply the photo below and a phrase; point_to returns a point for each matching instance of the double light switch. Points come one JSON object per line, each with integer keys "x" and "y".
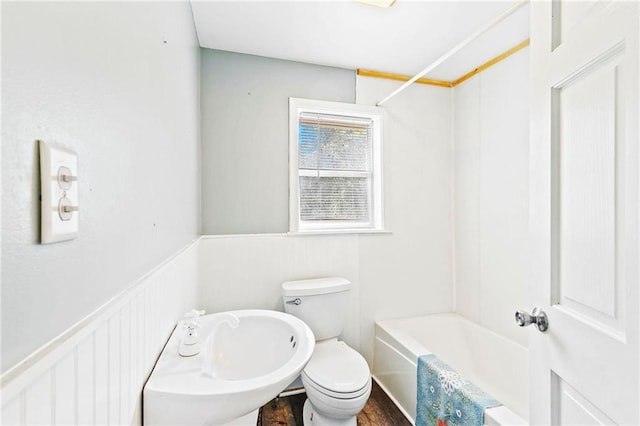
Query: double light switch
{"x": 59, "y": 194}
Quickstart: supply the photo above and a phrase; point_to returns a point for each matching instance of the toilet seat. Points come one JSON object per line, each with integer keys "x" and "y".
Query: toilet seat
{"x": 338, "y": 371}
{"x": 308, "y": 383}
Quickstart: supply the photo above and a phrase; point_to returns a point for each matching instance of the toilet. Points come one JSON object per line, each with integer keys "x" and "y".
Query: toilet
{"x": 337, "y": 379}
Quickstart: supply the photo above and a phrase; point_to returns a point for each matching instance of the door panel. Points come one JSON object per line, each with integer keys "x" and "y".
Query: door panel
{"x": 584, "y": 215}
{"x": 573, "y": 408}
{"x": 586, "y": 116}
{"x": 587, "y": 173}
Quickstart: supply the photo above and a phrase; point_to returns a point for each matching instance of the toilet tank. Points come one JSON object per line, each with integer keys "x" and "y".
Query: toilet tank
{"x": 321, "y": 303}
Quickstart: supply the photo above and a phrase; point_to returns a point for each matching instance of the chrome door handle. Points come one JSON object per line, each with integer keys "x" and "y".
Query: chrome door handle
{"x": 537, "y": 317}
{"x": 295, "y": 301}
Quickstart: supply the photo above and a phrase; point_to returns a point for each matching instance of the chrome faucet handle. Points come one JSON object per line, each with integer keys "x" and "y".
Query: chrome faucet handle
{"x": 537, "y": 317}
{"x": 192, "y": 319}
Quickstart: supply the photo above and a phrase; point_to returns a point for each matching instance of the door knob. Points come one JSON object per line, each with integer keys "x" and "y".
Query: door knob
{"x": 537, "y": 317}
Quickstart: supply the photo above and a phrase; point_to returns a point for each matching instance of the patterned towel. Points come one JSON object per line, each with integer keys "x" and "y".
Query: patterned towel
{"x": 445, "y": 398}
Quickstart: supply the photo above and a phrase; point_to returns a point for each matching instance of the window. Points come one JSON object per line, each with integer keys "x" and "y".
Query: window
{"x": 335, "y": 166}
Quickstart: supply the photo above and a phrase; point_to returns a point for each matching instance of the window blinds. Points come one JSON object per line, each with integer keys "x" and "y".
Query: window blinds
{"x": 335, "y": 167}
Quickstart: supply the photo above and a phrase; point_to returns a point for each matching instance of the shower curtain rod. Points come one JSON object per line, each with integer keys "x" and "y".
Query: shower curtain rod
{"x": 459, "y": 46}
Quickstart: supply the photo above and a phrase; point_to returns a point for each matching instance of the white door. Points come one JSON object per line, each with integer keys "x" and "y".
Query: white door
{"x": 584, "y": 211}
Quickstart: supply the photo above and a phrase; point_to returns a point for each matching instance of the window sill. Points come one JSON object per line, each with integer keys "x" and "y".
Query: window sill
{"x": 341, "y": 232}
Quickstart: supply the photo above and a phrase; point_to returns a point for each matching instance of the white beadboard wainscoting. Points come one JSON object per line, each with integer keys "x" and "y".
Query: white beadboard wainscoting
{"x": 94, "y": 372}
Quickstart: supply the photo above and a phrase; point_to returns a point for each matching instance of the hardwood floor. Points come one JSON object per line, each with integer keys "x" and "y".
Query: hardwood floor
{"x": 379, "y": 411}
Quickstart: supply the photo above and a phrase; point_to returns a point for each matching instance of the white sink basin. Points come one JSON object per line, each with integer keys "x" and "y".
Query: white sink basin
{"x": 251, "y": 365}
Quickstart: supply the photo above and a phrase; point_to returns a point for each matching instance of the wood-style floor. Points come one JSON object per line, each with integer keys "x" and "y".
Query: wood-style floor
{"x": 379, "y": 411}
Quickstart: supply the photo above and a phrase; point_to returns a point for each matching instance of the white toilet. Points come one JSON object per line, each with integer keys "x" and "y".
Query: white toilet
{"x": 337, "y": 378}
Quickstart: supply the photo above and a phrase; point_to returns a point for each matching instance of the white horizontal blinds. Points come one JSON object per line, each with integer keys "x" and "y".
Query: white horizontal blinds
{"x": 335, "y": 167}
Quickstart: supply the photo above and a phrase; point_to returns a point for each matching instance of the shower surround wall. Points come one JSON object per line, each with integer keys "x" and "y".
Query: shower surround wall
{"x": 409, "y": 272}
{"x": 118, "y": 83}
{"x": 491, "y": 152}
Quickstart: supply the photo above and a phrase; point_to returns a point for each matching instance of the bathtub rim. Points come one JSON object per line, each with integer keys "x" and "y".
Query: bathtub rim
{"x": 390, "y": 330}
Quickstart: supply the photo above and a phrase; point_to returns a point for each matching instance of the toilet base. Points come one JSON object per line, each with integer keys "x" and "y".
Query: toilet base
{"x": 307, "y": 413}
{"x": 312, "y": 418}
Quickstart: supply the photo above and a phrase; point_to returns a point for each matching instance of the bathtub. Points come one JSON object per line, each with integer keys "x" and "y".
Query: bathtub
{"x": 497, "y": 365}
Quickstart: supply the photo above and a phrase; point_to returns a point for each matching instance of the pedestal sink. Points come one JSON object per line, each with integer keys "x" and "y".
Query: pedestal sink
{"x": 248, "y": 366}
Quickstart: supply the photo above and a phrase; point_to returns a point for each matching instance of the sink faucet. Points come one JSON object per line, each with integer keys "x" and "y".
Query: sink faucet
{"x": 209, "y": 332}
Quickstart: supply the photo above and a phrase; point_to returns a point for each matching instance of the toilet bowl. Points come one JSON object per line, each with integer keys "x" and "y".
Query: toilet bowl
{"x": 337, "y": 379}
{"x": 338, "y": 384}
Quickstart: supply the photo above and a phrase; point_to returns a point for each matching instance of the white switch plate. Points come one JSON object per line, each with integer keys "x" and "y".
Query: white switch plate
{"x": 53, "y": 227}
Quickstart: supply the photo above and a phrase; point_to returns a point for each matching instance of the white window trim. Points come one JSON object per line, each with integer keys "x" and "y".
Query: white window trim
{"x": 378, "y": 117}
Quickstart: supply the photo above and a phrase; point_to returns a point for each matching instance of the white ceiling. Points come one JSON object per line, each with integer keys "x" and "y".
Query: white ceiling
{"x": 403, "y": 39}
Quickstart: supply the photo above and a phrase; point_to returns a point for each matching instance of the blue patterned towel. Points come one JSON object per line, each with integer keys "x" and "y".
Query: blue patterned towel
{"x": 445, "y": 398}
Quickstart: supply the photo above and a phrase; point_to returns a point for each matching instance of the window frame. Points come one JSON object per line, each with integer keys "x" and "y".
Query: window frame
{"x": 377, "y": 116}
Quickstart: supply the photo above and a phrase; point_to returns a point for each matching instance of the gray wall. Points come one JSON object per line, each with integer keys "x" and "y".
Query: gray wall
{"x": 245, "y": 136}
{"x": 119, "y": 84}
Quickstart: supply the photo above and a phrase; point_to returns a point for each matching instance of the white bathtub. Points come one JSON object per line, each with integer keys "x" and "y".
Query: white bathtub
{"x": 497, "y": 365}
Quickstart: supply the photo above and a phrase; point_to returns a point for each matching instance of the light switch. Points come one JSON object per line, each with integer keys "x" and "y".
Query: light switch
{"x": 59, "y": 193}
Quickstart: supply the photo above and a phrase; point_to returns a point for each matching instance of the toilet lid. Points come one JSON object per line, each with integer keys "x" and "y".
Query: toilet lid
{"x": 337, "y": 367}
